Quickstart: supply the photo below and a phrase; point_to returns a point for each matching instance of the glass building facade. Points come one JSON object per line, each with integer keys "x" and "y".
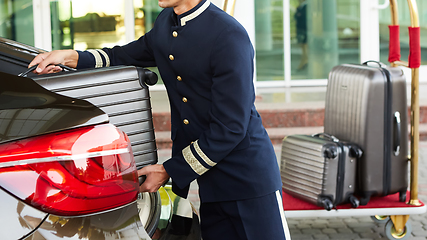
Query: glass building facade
{"x": 16, "y": 20}
{"x": 296, "y": 41}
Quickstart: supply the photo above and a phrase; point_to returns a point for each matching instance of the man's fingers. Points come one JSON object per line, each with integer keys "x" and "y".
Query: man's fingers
{"x": 143, "y": 171}
{"x": 65, "y": 57}
{"x": 146, "y": 187}
{"x": 45, "y": 60}
{"x": 156, "y": 177}
{"x": 38, "y": 60}
{"x": 149, "y": 185}
{"x": 45, "y": 65}
{"x": 48, "y": 69}
{"x": 52, "y": 69}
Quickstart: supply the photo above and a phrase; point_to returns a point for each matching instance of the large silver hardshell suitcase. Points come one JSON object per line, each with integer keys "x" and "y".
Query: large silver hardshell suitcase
{"x": 367, "y": 105}
{"x": 319, "y": 169}
{"x": 122, "y": 94}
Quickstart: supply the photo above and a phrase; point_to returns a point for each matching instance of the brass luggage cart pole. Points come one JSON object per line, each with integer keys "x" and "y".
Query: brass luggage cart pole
{"x": 399, "y": 221}
{"x": 228, "y": 6}
{"x": 414, "y": 62}
{"x": 415, "y": 111}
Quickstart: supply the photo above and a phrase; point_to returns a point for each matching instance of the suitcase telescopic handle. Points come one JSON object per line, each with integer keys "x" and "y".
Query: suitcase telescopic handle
{"x": 326, "y": 136}
{"x": 380, "y": 64}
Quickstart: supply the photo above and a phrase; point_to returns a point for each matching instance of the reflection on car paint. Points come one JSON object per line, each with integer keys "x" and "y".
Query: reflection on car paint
{"x": 18, "y": 219}
{"x": 121, "y": 224}
{"x": 183, "y": 222}
{"x": 27, "y": 109}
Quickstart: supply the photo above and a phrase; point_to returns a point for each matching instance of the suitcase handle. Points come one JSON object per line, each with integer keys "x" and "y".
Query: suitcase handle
{"x": 326, "y": 136}
{"x": 32, "y": 68}
{"x": 397, "y": 132}
{"x": 380, "y": 64}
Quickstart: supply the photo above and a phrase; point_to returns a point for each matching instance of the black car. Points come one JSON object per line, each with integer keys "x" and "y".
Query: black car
{"x": 70, "y": 147}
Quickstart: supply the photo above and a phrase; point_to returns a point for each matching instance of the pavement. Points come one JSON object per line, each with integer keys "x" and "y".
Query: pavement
{"x": 345, "y": 228}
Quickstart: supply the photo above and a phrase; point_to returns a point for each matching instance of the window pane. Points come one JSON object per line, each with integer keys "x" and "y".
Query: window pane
{"x": 87, "y": 24}
{"x": 16, "y": 20}
{"x": 146, "y": 12}
{"x": 269, "y": 40}
{"x": 323, "y": 34}
{"x": 404, "y": 22}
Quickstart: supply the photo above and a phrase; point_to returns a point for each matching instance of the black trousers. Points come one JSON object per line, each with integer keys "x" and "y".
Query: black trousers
{"x": 252, "y": 219}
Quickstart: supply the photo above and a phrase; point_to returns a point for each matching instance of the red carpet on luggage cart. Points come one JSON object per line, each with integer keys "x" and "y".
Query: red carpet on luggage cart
{"x": 388, "y": 205}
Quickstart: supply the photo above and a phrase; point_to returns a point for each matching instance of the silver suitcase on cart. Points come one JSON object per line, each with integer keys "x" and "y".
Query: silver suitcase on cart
{"x": 319, "y": 169}
{"x": 367, "y": 105}
{"x": 120, "y": 92}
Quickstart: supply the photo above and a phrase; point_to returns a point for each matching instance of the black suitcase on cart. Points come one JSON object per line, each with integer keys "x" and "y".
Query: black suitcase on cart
{"x": 367, "y": 105}
{"x": 319, "y": 169}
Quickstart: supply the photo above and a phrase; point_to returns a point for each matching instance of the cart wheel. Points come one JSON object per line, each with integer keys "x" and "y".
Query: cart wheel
{"x": 391, "y": 232}
{"x": 380, "y": 219}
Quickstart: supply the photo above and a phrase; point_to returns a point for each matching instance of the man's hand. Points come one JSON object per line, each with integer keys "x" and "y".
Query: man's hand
{"x": 47, "y": 61}
{"x": 156, "y": 177}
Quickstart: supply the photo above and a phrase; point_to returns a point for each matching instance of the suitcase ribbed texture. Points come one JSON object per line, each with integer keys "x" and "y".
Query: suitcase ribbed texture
{"x": 118, "y": 92}
{"x": 346, "y": 109}
{"x": 303, "y": 169}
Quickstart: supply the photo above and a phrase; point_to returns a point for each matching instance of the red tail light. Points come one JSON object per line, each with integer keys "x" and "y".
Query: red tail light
{"x": 73, "y": 172}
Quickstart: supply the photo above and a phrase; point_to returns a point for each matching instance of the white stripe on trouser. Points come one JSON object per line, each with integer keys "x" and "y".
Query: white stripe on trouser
{"x": 282, "y": 214}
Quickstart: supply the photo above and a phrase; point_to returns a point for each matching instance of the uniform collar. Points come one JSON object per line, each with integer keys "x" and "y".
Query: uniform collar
{"x": 193, "y": 13}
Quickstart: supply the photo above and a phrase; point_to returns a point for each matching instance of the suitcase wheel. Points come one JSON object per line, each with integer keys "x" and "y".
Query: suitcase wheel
{"x": 402, "y": 196}
{"x": 355, "y": 152}
{"x": 327, "y": 204}
{"x": 364, "y": 200}
{"x": 354, "y": 201}
{"x": 330, "y": 152}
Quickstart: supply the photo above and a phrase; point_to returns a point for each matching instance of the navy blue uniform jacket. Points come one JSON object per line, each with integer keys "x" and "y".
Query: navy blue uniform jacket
{"x": 205, "y": 59}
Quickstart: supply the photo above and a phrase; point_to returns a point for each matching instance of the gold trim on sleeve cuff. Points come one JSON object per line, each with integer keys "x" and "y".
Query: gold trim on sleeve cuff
{"x": 193, "y": 162}
{"x": 107, "y": 59}
{"x": 203, "y": 155}
{"x": 98, "y": 59}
